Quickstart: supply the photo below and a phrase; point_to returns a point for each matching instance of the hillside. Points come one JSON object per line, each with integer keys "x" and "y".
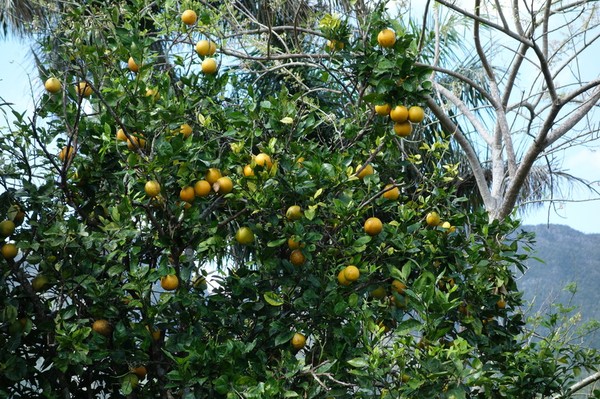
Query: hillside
{"x": 569, "y": 257}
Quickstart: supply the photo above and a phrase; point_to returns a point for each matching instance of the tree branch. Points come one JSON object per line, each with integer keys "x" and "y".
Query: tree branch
{"x": 470, "y": 153}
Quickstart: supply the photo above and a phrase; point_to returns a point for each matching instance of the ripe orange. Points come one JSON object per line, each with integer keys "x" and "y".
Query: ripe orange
{"x": 293, "y": 244}
{"x": 386, "y": 38}
{"x": 187, "y": 194}
{"x": 351, "y": 273}
{"x": 7, "y": 227}
{"x": 373, "y": 226}
{"x": 152, "y": 188}
{"x": 66, "y": 152}
{"x": 189, "y": 17}
{"x": 297, "y": 257}
{"x": 121, "y": 135}
{"x": 155, "y": 333}
{"x": 383, "y": 110}
{"x": 294, "y": 212}
{"x": 133, "y": 67}
{"x": 416, "y": 114}
{"x": 205, "y": 47}
{"x": 52, "y": 85}
{"x": 501, "y": 303}
{"x": 209, "y": 66}
{"x": 403, "y": 129}
{"x": 244, "y": 236}
{"x": 334, "y": 45}
{"x": 9, "y": 251}
{"x": 136, "y": 142}
{"x": 391, "y": 194}
{"x": 342, "y": 278}
{"x": 298, "y": 341}
{"x": 140, "y": 371}
{"x": 169, "y": 282}
{"x": 223, "y": 185}
{"x": 84, "y": 89}
{"x": 202, "y": 188}
{"x": 102, "y": 327}
{"x": 212, "y": 175}
{"x": 399, "y": 113}
{"x": 398, "y": 286}
{"x": 263, "y": 160}
{"x": 432, "y": 219}
{"x": 153, "y": 93}
{"x": 248, "y": 171}
{"x": 186, "y": 130}
{"x": 368, "y": 170}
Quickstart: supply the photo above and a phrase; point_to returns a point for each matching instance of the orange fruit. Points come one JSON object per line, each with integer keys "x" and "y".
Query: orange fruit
{"x": 155, "y": 333}
{"x": 202, "y": 188}
{"x": 403, "y": 129}
{"x": 379, "y": 292}
{"x": 391, "y": 194}
{"x": 399, "y": 113}
{"x": 386, "y": 38}
{"x": 351, "y": 273}
{"x": 432, "y": 219}
{"x": 342, "y": 278}
{"x": 7, "y": 228}
{"x": 416, "y": 114}
{"x": 9, "y": 251}
{"x": 223, "y": 185}
{"x": 263, "y": 160}
{"x": 140, "y": 371}
{"x": 293, "y": 244}
{"x": 133, "y": 67}
{"x": 244, "y": 236}
{"x": 153, "y": 93}
{"x": 209, "y": 66}
{"x": 373, "y": 226}
{"x": 297, "y": 258}
{"x": 102, "y": 327}
{"x": 398, "y": 286}
{"x": 186, "y": 130}
{"x": 187, "y": 194}
{"x": 383, "y": 110}
{"x": 212, "y": 175}
{"x": 189, "y": 17}
{"x": 169, "y": 282}
{"x": 84, "y": 89}
{"x": 294, "y": 212}
{"x": 205, "y": 47}
{"x": 334, "y": 45}
{"x": 298, "y": 341}
{"x": 52, "y": 85}
{"x": 248, "y": 171}
{"x": 39, "y": 283}
{"x": 136, "y": 142}
{"x": 368, "y": 170}
{"x": 66, "y": 152}
{"x": 152, "y": 188}
{"x": 501, "y": 303}
{"x": 121, "y": 135}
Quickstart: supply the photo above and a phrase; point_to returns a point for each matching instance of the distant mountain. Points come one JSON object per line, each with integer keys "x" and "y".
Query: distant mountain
{"x": 569, "y": 257}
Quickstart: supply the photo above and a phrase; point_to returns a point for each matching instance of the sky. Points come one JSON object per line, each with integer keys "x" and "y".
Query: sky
{"x": 18, "y": 78}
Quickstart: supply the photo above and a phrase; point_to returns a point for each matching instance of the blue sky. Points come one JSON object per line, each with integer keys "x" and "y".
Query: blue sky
{"x": 18, "y": 78}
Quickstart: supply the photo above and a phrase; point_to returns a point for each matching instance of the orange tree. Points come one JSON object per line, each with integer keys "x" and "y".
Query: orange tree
{"x": 176, "y": 228}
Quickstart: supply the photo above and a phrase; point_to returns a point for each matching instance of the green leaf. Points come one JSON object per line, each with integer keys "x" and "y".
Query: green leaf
{"x": 358, "y": 362}
{"x": 273, "y": 299}
{"x": 276, "y": 243}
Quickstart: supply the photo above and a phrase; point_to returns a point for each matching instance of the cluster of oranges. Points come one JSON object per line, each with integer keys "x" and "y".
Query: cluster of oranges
{"x": 402, "y": 116}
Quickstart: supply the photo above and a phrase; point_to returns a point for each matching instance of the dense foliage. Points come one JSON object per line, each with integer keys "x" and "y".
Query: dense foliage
{"x": 258, "y": 307}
